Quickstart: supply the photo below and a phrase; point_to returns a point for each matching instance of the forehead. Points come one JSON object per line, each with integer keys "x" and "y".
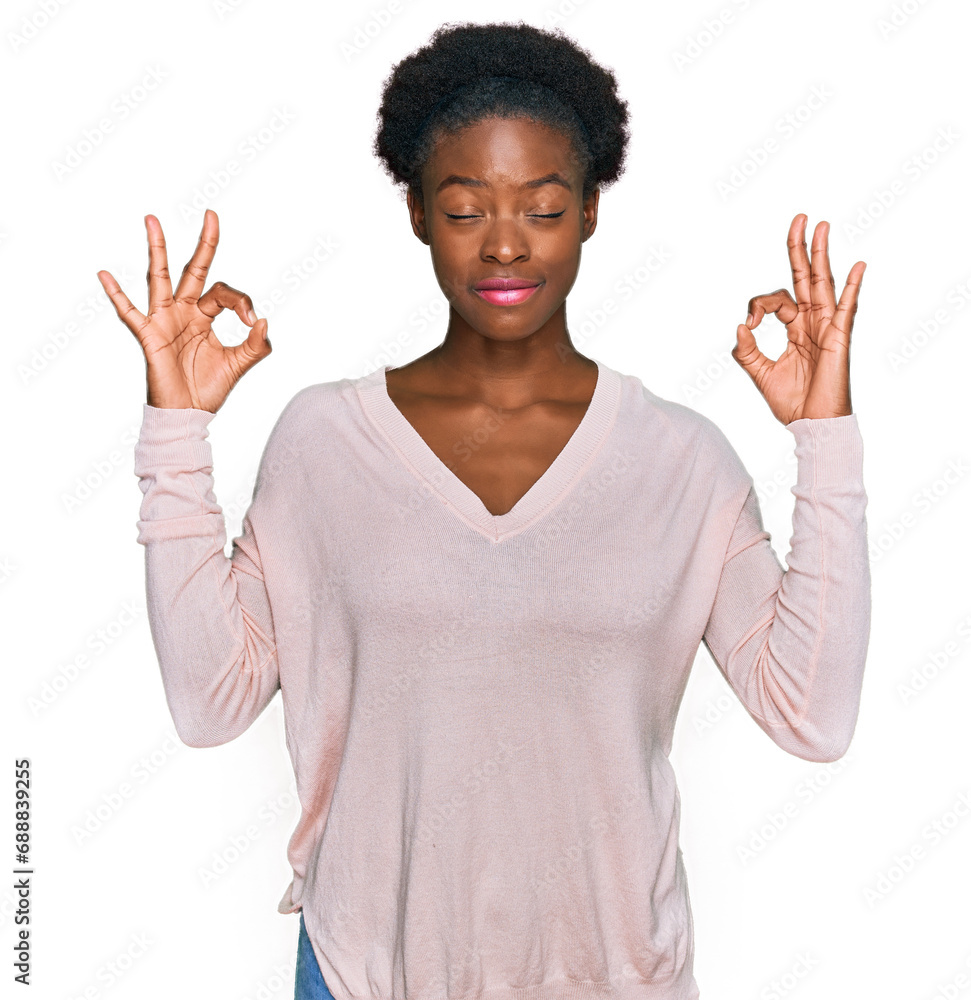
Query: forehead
{"x": 518, "y": 152}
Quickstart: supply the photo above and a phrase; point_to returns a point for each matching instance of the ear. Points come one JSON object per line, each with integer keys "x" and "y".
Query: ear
{"x": 590, "y": 205}
{"x": 417, "y": 212}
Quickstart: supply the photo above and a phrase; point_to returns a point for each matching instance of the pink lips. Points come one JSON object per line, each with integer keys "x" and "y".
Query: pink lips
{"x": 505, "y": 291}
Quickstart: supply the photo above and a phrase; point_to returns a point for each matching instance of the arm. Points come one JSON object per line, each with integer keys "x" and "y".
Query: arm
{"x": 209, "y": 615}
{"x": 792, "y": 643}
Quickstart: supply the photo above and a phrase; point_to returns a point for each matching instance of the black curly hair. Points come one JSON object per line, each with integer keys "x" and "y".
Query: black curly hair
{"x": 468, "y": 72}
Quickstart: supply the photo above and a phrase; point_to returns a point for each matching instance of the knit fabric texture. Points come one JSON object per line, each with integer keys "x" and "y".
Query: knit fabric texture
{"x": 479, "y": 709}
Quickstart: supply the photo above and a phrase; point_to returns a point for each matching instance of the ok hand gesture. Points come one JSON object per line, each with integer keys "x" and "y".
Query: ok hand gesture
{"x": 187, "y": 365}
{"x": 812, "y": 376}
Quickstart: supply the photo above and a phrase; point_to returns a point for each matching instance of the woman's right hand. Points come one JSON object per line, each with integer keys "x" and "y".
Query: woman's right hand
{"x": 187, "y": 365}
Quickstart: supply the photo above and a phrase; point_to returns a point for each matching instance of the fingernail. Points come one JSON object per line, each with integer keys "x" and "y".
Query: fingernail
{"x": 748, "y": 320}
{"x": 250, "y": 315}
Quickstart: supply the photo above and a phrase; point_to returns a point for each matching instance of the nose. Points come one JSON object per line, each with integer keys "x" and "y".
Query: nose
{"x": 504, "y": 241}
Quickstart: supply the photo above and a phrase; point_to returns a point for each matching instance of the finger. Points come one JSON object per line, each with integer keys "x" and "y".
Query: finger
{"x": 193, "y": 278}
{"x": 779, "y": 302}
{"x": 846, "y": 310}
{"x": 127, "y": 313}
{"x": 222, "y": 296}
{"x": 799, "y": 262}
{"x": 823, "y": 286}
{"x": 159, "y": 285}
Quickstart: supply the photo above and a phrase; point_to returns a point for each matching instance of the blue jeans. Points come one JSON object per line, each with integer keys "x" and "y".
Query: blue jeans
{"x": 310, "y": 983}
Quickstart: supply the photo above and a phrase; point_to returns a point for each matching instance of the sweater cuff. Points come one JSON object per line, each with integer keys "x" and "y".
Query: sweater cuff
{"x": 171, "y": 436}
{"x": 829, "y": 451}
{"x": 160, "y": 423}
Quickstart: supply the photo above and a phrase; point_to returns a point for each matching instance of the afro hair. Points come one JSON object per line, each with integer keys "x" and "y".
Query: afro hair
{"x": 468, "y": 72}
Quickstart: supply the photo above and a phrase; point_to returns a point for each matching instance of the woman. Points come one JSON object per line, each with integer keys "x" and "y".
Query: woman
{"x": 480, "y": 579}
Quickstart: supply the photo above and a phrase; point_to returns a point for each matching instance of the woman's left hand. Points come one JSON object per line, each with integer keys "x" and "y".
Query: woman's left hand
{"x": 812, "y": 376}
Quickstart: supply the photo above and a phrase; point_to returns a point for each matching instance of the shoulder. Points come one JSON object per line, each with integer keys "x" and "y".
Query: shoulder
{"x": 310, "y": 407}
{"x": 683, "y": 440}
{"x": 682, "y": 422}
{"x": 304, "y": 426}
{"x": 315, "y": 398}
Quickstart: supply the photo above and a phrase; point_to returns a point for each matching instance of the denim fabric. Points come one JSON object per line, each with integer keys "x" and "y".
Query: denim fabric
{"x": 310, "y": 983}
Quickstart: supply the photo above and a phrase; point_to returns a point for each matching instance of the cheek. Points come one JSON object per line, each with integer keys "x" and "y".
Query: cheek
{"x": 561, "y": 244}
{"x": 451, "y": 267}
{"x": 560, "y": 257}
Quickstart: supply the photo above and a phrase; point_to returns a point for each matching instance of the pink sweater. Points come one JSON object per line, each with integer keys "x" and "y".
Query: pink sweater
{"x": 479, "y": 709}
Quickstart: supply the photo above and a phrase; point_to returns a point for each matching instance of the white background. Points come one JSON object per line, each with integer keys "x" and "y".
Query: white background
{"x": 800, "y": 916}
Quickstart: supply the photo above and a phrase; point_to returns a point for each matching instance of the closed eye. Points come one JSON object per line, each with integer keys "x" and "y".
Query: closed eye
{"x": 553, "y": 215}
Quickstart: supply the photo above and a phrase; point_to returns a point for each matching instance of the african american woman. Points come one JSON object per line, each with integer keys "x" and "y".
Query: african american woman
{"x": 479, "y": 580}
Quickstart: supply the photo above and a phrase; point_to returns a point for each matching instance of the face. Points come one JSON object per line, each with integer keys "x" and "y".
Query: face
{"x": 493, "y": 209}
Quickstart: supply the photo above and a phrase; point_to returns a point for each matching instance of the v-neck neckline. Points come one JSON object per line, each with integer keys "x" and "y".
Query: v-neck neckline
{"x": 564, "y": 472}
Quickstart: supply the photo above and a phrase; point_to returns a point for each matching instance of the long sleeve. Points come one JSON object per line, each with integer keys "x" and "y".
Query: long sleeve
{"x": 209, "y": 614}
{"x": 792, "y": 643}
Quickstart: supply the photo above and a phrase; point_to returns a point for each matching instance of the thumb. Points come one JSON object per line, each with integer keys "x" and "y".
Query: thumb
{"x": 256, "y": 346}
{"x": 259, "y": 339}
{"x": 746, "y": 351}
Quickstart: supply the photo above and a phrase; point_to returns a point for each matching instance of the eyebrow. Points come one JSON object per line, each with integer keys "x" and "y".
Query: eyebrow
{"x": 551, "y": 178}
